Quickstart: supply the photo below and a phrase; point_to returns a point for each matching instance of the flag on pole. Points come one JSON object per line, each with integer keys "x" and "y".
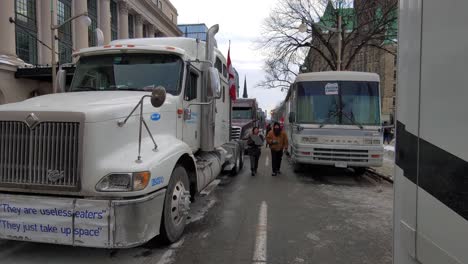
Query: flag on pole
{"x": 231, "y": 78}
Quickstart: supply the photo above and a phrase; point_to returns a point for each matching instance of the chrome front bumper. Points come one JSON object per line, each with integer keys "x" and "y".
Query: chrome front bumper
{"x": 81, "y": 222}
{"x": 338, "y": 155}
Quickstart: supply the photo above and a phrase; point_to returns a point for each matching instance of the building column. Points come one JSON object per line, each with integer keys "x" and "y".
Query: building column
{"x": 81, "y": 30}
{"x": 45, "y": 33}
{"x": 151, "y": 30}
{"x": 138, "y": 26}
{"x": 105, "y": 19}
{"x": 123, "y": 20}
{"x": 7, "y": 30}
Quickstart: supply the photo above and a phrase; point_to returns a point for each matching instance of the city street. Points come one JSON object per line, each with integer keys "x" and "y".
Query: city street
{"x": 324, "y": 215}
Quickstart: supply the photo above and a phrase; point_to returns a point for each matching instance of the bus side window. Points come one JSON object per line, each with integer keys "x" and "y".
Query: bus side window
{"x": 191, "y": 87}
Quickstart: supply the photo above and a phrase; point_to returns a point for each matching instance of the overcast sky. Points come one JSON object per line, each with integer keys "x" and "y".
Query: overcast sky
{"x": 239, "y": 21}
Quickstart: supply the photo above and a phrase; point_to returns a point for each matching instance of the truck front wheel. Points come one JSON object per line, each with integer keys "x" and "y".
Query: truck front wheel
{"x": 176, "y": 206}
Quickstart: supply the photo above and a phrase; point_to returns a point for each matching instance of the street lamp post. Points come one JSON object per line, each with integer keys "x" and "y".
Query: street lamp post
{"x": 53, "y": 28}
{"x": 303, "y": 28}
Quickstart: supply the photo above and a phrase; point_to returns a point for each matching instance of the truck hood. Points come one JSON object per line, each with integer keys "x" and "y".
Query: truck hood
{"x": 241, "y": 122}
{"x": 97, "y": 106}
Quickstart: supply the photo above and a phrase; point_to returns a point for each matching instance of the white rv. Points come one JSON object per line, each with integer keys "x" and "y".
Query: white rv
{"x": 431, "y": 176}
{"x": 333, "y": 118}
{"x": 117, "y": 158}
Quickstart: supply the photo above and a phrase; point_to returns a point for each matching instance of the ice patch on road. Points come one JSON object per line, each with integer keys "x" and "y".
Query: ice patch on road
{"x": 168, "y": 256}
{"x": 313, "y": 237}
{"x": 197, "y": 216}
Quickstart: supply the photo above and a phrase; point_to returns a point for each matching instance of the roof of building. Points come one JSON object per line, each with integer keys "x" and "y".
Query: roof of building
{"x": 338, "y": 76}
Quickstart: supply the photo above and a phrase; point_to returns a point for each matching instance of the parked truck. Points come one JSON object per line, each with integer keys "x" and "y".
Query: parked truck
{"x": 244, "y": 117}
{"x": 430, "y": 182}
{"x": 117, "y": 158}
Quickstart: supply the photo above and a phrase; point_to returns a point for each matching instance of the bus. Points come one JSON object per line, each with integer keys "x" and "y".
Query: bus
{"x": 334, "y": 118}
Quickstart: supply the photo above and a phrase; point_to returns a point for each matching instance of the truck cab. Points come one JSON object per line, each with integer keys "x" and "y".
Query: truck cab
{"x": 117, "y": 158}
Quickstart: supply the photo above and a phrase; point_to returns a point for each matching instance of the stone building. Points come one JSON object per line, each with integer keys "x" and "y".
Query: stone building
{"x": 26, "y": 35}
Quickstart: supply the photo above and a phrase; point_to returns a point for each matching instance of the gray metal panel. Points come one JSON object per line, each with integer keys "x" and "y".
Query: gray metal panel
{"x": 31, "y": 156}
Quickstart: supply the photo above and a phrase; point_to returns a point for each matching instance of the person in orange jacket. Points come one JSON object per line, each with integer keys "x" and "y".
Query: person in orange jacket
{"x": 278, "y": 141}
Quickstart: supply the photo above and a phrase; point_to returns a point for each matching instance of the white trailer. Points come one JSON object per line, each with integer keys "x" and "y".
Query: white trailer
{"x": 431, "y": 176}
{"x": 334, "y": 118}
{"x": 117, "y": 158}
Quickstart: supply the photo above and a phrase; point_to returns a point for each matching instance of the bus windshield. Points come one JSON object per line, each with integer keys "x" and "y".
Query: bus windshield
{"x": 242, "y": 113}
{"x": 338, "y": 102}
{"x": 134, "y": 72}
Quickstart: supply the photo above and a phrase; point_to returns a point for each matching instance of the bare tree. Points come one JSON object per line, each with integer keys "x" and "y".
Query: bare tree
{"x": 365, "y": 23}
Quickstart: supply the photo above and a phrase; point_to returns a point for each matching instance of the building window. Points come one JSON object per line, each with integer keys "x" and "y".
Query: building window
{"x": 131, "y": 22}
{"x": 160, "y": 4}
{"x": 114, "y": 22}
{"x": 92, "y": 13}
{"x": 26, "y": 30}
{"x": 172, "y": 17}
{"x": 145, "y": 31}
{"x": 64, "y": 32}
{"x": 394, "y": 74}
{"x": 394, "y": 87}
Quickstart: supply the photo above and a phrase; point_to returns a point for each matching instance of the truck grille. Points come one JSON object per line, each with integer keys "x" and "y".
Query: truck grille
{"x": 345, "y": 155}
{"x": 235, "y": 133}
{"x": 46, "y": 156}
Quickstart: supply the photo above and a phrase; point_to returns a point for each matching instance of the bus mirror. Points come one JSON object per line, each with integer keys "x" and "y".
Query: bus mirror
{"x": 292, "y": 117}
{"x": 158, "y": 96}
{"x": 213, "y": 85}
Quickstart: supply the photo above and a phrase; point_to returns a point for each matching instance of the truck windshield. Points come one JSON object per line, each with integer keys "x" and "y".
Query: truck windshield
{"x": 135, "y": 72}
{"x": 242, "y": 113}
{"x": 338, "y": 102}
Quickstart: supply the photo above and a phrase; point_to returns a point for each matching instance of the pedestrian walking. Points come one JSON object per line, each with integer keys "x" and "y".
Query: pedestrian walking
{"x": 387, "y": 133}
{"x": 268, "y": 129}
{"x": 255, "y": 142}
{"x": 278, "y": 142}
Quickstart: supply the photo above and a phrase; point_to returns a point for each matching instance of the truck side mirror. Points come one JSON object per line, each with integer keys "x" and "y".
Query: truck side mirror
{"x": 60, "y": 80}
{"x": 158, "y": 96}
{"x": 213, "y": 85}
{"x": 292, "y": 117}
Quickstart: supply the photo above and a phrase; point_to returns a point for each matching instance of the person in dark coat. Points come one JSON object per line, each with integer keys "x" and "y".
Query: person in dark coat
{"x": 255, "y": 142}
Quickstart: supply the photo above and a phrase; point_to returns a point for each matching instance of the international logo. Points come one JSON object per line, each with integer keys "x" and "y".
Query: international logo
{"x": 55, "y": 175}
{"x": 155, "y": 116}
{"x": 32, "y": 121}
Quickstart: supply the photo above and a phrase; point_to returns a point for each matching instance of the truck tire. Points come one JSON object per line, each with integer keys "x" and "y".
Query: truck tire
{"x": 176, "y": 206}
{"x": 239, "y": 161}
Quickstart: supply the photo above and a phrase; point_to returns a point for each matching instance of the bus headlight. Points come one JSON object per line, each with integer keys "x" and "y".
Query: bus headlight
{"x": 368, "y": 141}
{"x": 309, "y": 140}
{"x": 124, "y": 182}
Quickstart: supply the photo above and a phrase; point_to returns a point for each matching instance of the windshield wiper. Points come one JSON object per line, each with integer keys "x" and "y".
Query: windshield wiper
{"x": 333, "y": 114}
{"x": 352, "y": 120}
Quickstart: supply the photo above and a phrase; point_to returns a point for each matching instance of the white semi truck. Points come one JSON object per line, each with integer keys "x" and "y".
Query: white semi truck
{"x": 431, "y": 176}
{"x": 333, "y": 118}
{"x": 117, "y": 158}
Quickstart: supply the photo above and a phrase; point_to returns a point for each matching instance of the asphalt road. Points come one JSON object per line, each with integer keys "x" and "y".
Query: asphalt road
{"x": 322, "y": 215}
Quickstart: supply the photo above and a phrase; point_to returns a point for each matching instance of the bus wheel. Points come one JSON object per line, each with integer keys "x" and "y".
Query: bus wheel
{"x": 297, "y": 167}
{"x": 176, "y": 206}
{"x": 359, "y": 171}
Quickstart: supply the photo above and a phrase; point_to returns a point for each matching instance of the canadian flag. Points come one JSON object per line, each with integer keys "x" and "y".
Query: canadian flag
{"x": 231, "y": 78}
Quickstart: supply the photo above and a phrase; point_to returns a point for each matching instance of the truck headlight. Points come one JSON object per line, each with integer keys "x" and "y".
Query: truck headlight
{"x": 124, "y": 182}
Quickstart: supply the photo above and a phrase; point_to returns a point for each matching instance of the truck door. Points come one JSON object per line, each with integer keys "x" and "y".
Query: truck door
{"x": 191, "y": 123}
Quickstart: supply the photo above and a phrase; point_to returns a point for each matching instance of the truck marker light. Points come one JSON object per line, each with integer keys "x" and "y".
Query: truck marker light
{"x": 375, "y": 156}
{"x": 141, "y": 180}
{"x": 130, "y": 45}
{"x": 180, "y": 111}
{"x": 119, "y": 46}
{"x": 170, "y": 48}
{"x": 107, "y": 46}
{"x": 305, "y": 153}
